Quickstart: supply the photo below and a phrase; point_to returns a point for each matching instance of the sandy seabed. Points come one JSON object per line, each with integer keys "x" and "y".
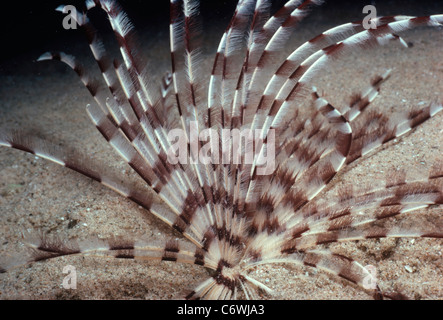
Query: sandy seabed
{"x": 47, "y": 99}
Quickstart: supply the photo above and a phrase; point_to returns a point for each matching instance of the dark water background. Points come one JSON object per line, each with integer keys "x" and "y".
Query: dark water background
{"x": 28, "y": 25}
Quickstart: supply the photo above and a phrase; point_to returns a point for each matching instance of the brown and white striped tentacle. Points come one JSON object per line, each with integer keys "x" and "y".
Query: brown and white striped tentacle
{"x": 348, "y": 220}
{"x": 140, "y": 98}
{"x": 121, "y": 113}
{"x": 142, "y": 165}
{"x": 314, "y": 159}
{"x": 183, "y": 29}
{"x": 310, "y": 62}
{"x": 226, "y": 286}
{"x": 128, "y": 76}
{"x": 184, "y": 35}
{"x": 138, "y": 91}
{"x": 327, "y": 261}
{"x": 165, "y": 106}
{"x": 185, "y": 208}
{"x": 123, "y": 30}
{"x": 91, "y": 84}
{"x": 359, "y": 102}
{"x": 221, "y": 102}
{"x": 192, "y": 31}
{"x": 230, "y": 47}
{"x": 268, "y": 31}
{"x": 308, "y": 182}
{"x": 260, "y": 17}
{"x": 222, "y": 105}
{"x": 214, "y": 289}
{"x": 43, "y": 248}
{"x": 284, "y": 158}
{"x": 366, "y": 140}
{"x": 223, "y": 75}
{"x": 135, "y": 87}
{"x": 354, "y": 209}
{"x": 256, "y": 49}
{"x": 166, "y": 183}
{"x": 180, "y": 69}
{"x": 74, "y": 162}
{"x": 45, "y": 150}
{"x": 142, "y": 136}
{"x": 292, "y": 160}
{"x": 371, "y": 232}
{"x": 234, "y": 49}
{"x": 232, "y": 111}
{"x": 295, "y": 87}
{"x": 322, "y": 58}
{"x": 266, "y": 55}
{"x": 100, "y": 54}
{"x": 146, "y": 133}
{"x": 295, "y": 82}
{"x": 354, "y": 226}
{"x": 295, "y": 59}
{"x": 176, "y": 47}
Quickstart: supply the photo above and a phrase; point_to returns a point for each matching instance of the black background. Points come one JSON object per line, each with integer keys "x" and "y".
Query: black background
{"x": 29, "y": 24}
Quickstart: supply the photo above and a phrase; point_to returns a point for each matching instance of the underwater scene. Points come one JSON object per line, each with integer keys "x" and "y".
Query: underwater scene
{"x": 344, "y": 101}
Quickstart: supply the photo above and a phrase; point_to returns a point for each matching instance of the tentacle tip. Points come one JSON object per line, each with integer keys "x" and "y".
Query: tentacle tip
{"x": 90, "y": 4}
{"x": 9, "y": 263}
{"x": 60, "y": 8}
{"x": 45, "y": 56}
{"x": 387, "y": 73}
{"x": 404, "y": 43}
{"x": 435, "y": 108}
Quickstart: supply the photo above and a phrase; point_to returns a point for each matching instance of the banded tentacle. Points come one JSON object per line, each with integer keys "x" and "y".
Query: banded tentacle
{"x": 42, "y": 247}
